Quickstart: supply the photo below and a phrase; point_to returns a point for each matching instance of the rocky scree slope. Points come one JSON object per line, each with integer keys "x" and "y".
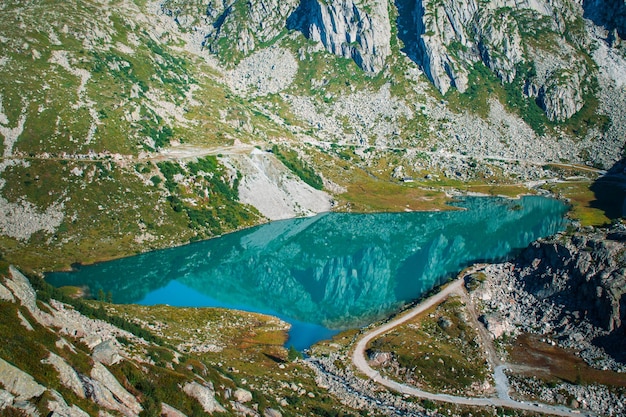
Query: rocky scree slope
{"x": 571, "y": 288}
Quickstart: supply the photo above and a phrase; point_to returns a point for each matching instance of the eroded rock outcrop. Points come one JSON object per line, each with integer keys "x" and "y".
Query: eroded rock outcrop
{"x": 442, "y": 40}
{"x": 18, "y": 382}
{"x": 357, "y": 30}
{"x": 108, "y": 392}
{"x": 67, "y": 375}
{"x": 232, "y": 27}
{"x": 447, "y": 38}
{"x": 571, "y": 288}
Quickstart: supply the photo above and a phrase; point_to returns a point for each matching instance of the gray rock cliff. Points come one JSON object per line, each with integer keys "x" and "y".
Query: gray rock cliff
{"x": 448, "y": 38}
{"x": 232, "y": 26}
{"x": 357, "y": 30}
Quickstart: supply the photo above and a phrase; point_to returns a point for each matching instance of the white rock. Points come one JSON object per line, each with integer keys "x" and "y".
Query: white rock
{"x": 5, "y": 294}
{"x": 6, "y": 399}
{"x": 169, "y": 411}
{"x": 106, "y": 353}
{"x": 242, "y": 395}
{"x": 271, "y": 412}
{"x": 113, "y": 395}
{"x": 67, "y": 375}
{"x": 59, "y": 407}
{"x": 18, "y": 382}
{"x": 205, "y": 396}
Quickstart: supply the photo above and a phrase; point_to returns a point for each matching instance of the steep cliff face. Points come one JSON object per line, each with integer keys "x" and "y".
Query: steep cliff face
{"x": 443, "y": 44}
{"x": 609, "y": 13}
{"x": 449, "y": 37}
{"x": 571, "y": 288}
{"x": 357, "y": 30}
{"x": 500, "y": 44}
{"x": 232, "y": 27}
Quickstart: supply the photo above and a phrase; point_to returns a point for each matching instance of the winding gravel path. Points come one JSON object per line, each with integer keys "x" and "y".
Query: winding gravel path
{"x": 503, "y": 399}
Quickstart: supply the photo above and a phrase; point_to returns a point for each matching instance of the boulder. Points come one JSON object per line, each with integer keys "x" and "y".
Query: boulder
{"x": 19, "y": 383}
{"x": 5, "y": 294}
{"x": 106, "y": 352}
{"x": 59, "y": 407}
{"x": 205, "y": 396}
{"x": 242, "y": 395}
{"x": 271, "y": 412}
{"x": 242, "y": 410}
{"x": 21, "y": 288}
{"x": 169, "y": 411}
{"x": 111, "y": 394}
{"x": 67, "y": 375}
{"x": 6, "y": 399}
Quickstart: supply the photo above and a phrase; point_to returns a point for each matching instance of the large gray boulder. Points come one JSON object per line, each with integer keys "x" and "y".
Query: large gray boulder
{"x": 67, "y": 375}
{"x": 5, "y": 294}
{"x": 106, "y": 352}
{"x": 242, "y": 395}
{"x": 108, "y": 392}
{"x": 205, "y": 396}
{"x": 19, "y": 383}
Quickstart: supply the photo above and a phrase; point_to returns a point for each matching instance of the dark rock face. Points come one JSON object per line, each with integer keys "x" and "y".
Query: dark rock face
{"x": 608, "y": 13}
{"x": 586, "y": 274}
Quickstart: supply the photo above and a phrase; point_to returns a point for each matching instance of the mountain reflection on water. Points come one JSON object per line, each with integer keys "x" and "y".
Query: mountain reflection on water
{"x": 334, "y": 270}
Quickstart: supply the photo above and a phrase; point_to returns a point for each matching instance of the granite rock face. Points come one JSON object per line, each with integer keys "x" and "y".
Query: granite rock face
{"x": 234, "y": 25}
{"x": 446, "y": 39}
{"x": 357, "y": 30}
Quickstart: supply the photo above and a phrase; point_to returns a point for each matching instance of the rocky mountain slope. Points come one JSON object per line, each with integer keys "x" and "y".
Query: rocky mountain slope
{"x": 61, "y": 361}
{"x": 570, "y": 288}
{"x": 130, "y": 125}
{"x": 116, "y": 109}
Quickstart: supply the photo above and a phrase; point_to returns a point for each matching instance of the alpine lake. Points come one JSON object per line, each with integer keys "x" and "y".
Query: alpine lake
{"x": 330, "y": 272}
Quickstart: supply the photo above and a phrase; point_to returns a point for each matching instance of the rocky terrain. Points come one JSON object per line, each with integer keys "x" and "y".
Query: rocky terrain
{"x": 133, "y": 125}
{"x": 569, "y": 290}
{"x": 60, "y": 362}
{"x": 431, "y": 91}
{"x": 548, "y": 291}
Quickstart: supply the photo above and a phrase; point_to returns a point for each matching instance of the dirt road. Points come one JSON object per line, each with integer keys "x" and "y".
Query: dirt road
{"x": 503, "y": 399}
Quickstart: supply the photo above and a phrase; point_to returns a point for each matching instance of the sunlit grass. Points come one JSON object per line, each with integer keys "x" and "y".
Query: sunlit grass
{"x": 435, "y": 356}
{"x": 582, "y": 199}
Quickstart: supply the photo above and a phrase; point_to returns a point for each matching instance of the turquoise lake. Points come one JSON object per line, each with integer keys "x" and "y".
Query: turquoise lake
{"x": 330, "y": 272}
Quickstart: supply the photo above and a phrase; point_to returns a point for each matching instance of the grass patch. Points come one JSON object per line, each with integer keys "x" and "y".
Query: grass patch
{"x": 436, "y": 351}
{"x": 585, "y": 206}
{"x": 298, "y": 166}
{"x": 553, "y": 364}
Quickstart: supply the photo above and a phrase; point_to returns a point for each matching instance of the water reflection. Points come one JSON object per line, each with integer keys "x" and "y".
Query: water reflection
{"x": 332, "y": 271}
